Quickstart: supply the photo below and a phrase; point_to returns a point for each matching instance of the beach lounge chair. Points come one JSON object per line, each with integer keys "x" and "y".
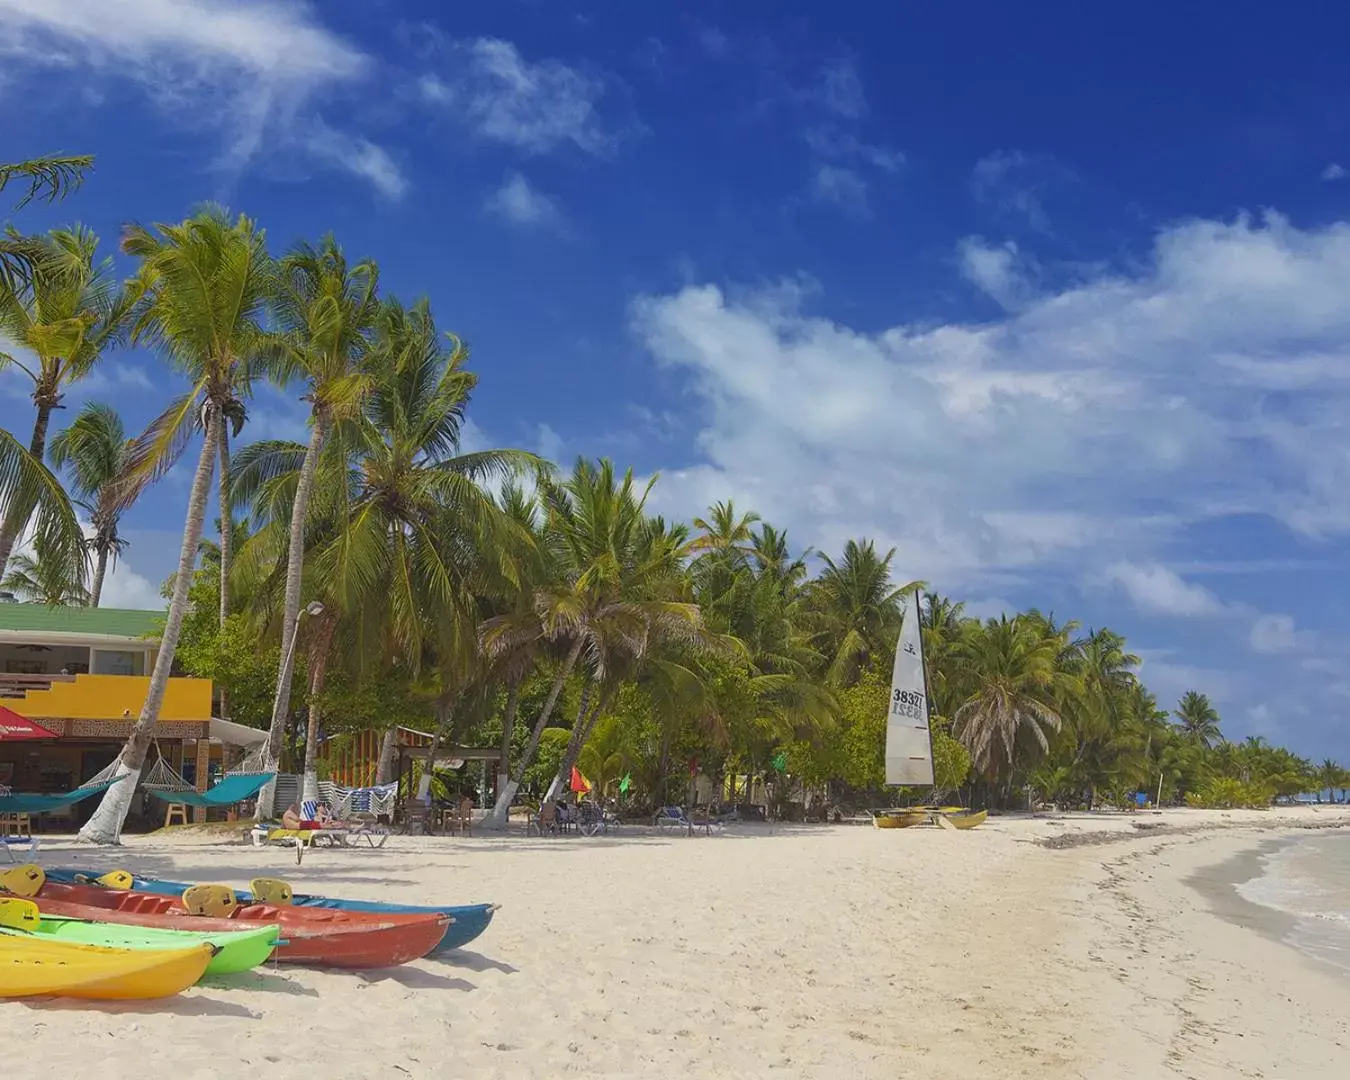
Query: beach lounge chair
{"x": 677, "y": 817}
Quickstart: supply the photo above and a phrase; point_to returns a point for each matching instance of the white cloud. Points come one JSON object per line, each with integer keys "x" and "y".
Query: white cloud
{"x": 1156, "y": 590}
{"x": 247, "y": 68}
{"x": 533, "y": 106}
{"x": 1274, "y": 634}
{"x": 1109, "y": 409}
{"x": 521, "y": 204}
{"x": 358, "y": 156}
{"x": 1000, "y": 272}
{"x": 1333, "y": 172}
{"x": 842, "y": 188}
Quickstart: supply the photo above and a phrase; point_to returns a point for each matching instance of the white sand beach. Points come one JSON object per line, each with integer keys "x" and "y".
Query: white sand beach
{"x": 770, "y": 951}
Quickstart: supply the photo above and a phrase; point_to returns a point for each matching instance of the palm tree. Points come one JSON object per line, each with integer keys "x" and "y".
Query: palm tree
{"x": 43, "y": 579}
{"x": 610, "y": 599}
{"x": 25, "y": 479}
{"x": 324, "y": 310}
{"x": 48, "y": 179}
{"x": 95, "y": 450}
{"x": 858, "y": 608}
{"x": 1199, "y": 719}
{"x": 65, "y": 313}
{"x": 203, "y": 286}
{"x": 1016, "y": 687}
{"x": 725, "y": 531}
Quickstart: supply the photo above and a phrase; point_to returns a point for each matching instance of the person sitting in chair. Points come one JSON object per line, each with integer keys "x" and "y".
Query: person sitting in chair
{"x": 290, "y": 817}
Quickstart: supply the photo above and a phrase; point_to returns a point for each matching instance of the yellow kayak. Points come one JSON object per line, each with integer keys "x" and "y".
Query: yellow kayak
{"x": 43, "y": 968}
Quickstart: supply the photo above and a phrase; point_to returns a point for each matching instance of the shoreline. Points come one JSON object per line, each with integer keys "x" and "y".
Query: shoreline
{"x": 1036, "y": 948}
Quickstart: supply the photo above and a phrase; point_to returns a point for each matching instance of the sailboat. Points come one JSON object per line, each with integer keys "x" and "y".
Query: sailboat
{"x": 909, "y": 743}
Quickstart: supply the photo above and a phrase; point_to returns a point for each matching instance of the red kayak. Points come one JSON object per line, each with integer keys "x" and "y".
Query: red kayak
{"x": 317, "y": 936}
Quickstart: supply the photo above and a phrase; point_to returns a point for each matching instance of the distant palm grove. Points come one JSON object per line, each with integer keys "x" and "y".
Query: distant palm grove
{"x": 491, "y": 598}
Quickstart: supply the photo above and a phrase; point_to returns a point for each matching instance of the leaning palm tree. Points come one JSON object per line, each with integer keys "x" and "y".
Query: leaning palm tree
{"x": 1199, "y": 720}
{"x": 41, "y": 579}
{"x": 203, "y": 286}
{"x": 325, "y": 310}
{"x": 95, "y": 451}
{"x": 67, "y": 311}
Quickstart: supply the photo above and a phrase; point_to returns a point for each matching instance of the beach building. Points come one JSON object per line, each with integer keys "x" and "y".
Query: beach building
{"x": 83, "y": 674}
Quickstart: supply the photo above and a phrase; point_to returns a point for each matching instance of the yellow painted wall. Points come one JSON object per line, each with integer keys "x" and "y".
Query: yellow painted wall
{"x": 106, "y": 697}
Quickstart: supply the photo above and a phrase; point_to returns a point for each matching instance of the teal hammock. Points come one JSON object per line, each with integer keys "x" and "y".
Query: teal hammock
{"x": 229, "y": 791}
{"x": 25, "y": 803}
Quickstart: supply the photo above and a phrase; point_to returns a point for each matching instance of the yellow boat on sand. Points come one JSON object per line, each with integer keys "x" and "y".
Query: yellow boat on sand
{"x": 30, "y": 967}
{"x": 898, "y": 819}
{"x": 964, "y": 820}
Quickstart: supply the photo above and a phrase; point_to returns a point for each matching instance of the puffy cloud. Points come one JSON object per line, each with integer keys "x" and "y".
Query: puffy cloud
{"x": 1101, "y": 419}
{"x": 1274, "y": 634}
{"x": 1155, "y": 589}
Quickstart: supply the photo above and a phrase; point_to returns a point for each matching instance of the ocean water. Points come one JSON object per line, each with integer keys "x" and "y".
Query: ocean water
{"x": 1308, "y": 880}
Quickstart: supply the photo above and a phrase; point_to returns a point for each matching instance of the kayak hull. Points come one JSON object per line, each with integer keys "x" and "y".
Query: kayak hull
{"x": 315, "y": 937}
{"x": 35, "y": 967}
{"x": 469, "y": 920}
{"x": 238, "y": 949}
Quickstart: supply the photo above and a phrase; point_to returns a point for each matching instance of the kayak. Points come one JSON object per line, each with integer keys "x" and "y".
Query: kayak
{"x": 470, "y": 920}
{"x": 36, "y": 967}
{"x": 237, "y": 949}
{"x": 345, "y": 939}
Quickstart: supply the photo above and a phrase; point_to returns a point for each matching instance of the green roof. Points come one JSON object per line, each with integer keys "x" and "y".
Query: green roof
{"x": 119, "y": 622}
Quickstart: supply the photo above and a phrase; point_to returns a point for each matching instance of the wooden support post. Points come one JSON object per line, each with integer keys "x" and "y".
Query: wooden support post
{"x": 203, "y": 776}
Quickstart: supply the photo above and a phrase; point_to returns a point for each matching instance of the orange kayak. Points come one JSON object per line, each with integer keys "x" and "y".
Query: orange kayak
{"x": 316, "y": 936}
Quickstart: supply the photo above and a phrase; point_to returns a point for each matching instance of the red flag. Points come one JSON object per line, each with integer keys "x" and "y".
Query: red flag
{"x": 579, "y": 784}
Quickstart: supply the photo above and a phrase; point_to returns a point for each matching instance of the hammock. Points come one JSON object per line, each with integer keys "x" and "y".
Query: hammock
{"x": 24, "y": 803}
{"x": 232, "y": 789}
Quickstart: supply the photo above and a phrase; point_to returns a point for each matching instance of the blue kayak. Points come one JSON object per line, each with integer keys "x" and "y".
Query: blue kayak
{"x": 470, "y": 920}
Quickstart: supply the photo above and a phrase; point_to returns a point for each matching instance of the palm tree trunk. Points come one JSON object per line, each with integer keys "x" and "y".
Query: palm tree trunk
{"x": 226, "y": 537}
{"x": 105, "y": 827}
{"x": 226, "y": 523}
{"x": 290, "y": 618}
{"x": 508, "y": 733}
{"x": 16, "y": 518}
{"x": 581, "y": 734}
{"x": 318, "y": 670}
{"x": 498, "y": 818}
{"x": 386, "y": 761}
{"x": 100, "y": 569}
{"x": 564, "y": 773}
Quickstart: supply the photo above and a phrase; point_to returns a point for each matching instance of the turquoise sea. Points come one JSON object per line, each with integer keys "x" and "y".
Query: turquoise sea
{"x": 1308, "y": 880}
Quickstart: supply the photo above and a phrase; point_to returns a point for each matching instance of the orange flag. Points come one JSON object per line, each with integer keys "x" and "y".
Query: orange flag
{"x": 579, "y": 784}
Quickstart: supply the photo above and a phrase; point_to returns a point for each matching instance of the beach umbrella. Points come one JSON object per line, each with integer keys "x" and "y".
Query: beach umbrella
{"x": 14, "y": 726}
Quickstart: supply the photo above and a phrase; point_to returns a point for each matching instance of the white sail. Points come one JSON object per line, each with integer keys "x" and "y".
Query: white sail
{"x": 909, "y": 749}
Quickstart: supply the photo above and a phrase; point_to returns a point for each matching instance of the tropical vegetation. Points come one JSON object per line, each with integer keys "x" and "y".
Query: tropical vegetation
{"x": 493, "y": 599}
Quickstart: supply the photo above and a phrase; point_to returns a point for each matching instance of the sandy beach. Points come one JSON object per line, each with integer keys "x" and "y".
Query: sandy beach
{"x": 1084, "y": 946}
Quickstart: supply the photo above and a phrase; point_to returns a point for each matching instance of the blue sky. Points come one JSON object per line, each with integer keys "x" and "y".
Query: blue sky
{"x": 1055, "y": 305}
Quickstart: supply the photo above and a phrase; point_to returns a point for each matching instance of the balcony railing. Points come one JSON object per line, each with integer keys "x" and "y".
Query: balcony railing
{"x": 14, "y": 685}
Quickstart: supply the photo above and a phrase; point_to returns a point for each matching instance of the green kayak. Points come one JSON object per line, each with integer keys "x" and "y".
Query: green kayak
{"x": 239, "y": 950}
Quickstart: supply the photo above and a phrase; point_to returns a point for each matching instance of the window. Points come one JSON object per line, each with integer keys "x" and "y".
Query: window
{"x": 110, "y": 662}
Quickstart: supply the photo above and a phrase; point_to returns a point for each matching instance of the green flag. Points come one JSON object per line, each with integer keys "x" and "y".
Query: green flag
{"x": 625, "y": 783}
{"x": 780, "y": 761}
